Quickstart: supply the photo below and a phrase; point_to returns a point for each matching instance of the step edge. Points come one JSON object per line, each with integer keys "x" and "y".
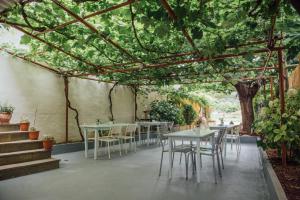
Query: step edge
{"x": 23, "y": 152}
{"x": 28, "y": 163}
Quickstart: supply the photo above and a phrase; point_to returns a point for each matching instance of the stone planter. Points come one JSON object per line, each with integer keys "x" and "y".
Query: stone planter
{"x": 274, "y": 186}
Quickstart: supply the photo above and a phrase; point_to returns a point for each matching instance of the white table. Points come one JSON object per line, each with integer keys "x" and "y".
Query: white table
{"x": 229, "y": 128}
{"x": 148, "y": 125}
{"x": 189, "y": 135}
{"x": 96, "y": 128}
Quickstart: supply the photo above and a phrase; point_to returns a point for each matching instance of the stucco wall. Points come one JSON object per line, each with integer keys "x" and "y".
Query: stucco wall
{"x": 30, "y": 88}
{"x": 294, "y": 79}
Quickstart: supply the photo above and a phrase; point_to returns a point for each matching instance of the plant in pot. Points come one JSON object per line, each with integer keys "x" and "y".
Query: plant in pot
{"x": 48, "y": 142}
{"x": 24, "y": 124}
{"x": 33, "y": 133}
{"x": 6, "y": 113}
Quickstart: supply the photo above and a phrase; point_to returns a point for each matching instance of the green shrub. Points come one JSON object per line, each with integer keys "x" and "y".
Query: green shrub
{"x": 166, "y": 111}
{"x": 268, "y": 123}
{"x": 189, "y": 114}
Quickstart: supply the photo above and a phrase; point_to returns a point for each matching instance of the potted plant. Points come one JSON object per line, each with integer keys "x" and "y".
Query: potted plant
{"x": 6, "y": 113}
{"x": 24, "y": 124}
{"x": 48, "y": 142}
{"x": 33, "y": 133}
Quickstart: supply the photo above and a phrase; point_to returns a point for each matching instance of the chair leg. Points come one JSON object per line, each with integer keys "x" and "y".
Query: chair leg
{"x": 120, "y": 147}
{"x": 108, "y": 150}
{"x": 214, "y": 168}
{"x": 180, "y": 157}
{"x": 134, "y": 143}
{"x": 200, "y": 161}
{"x": 173, "y": 154}
{"x": 186, "y": 166}
{"x": 221, "y": 154}
{"x": 219, "y": 165}
{"x": 161, "y": 160}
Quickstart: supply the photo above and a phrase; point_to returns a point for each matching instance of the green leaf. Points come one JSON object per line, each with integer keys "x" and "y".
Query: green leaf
{"x": 25, "y": 39}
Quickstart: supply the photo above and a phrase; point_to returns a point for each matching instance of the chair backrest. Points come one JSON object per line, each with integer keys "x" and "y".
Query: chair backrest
{"x": 115, "y": 131}
{"x": 163, "y": 128}
{"x": 237, "y": 130}
{"x": 220, "y": 137}
{"x": 170, "y": 126}
{"x": 130, "y": 129}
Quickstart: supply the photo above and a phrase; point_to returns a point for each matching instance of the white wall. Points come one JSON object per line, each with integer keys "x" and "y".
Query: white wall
{"x": 29, "y": 87}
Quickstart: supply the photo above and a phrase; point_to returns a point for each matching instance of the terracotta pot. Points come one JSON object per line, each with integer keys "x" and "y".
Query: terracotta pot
{"x": 5, "y": 118}
{"x": 24, "y": 126}
{"x": 34, "y": 135}
{"x": 48, "y": 144}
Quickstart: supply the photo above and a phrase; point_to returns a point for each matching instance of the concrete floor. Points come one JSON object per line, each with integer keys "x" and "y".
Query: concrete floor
{"x": 135, "y": 177}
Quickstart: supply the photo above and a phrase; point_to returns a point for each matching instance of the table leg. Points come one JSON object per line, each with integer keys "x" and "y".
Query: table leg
{"x": 86, "y": 143}
{"x": 96, "y": 144}
{"x": 170, "y": 157}
{"x": 148, "y": 135}
{"x": 198, "y": 160}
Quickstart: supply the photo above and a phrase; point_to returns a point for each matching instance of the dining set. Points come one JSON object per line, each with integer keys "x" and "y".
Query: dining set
{"x": 110, "y": 133}
{"x": 192, "y": 143}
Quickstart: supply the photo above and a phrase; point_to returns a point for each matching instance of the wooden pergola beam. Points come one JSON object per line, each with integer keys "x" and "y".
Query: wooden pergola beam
{"x": 202, "y": 59}
{"x": 173, "y": 16}
{"x": 93, "y": 29}
{"x": 191, "y": 53}
{"x": 100, "y": 12}
{"x": 210, "y": 81}
{"x": 190, "y": 74}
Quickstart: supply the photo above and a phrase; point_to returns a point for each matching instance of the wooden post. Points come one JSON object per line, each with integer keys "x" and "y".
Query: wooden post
{"x": 271, "y": 88}
{"x": 282, "y": 103}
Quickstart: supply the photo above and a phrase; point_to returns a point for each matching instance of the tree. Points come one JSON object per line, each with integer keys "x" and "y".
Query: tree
{"x": 246, "y": 92}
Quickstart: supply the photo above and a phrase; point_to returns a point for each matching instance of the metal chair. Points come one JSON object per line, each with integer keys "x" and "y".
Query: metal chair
{"x": 187, "y": 151}
{"x": 214, "y": 149}
{"x": 129, "y": 134}
{"x": 112, "y": 137}
{"x": 234, "y": 136}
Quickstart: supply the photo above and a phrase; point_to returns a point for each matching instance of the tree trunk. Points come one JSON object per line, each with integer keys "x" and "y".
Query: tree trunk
{"x": 246, "y": 91}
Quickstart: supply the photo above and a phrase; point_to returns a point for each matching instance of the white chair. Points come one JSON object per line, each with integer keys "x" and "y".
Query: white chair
{"x": 187, "y": 151}
{"x": 234, "y": 136}
{"x": 129, "y": 134}
{"x": 112, "y": 137}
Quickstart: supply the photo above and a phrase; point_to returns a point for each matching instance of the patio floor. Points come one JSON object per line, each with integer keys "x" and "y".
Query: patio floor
{"x": 135, "y": 177}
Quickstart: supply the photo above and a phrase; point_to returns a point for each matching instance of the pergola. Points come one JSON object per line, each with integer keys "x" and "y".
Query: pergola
{"x": 134, "y": 68}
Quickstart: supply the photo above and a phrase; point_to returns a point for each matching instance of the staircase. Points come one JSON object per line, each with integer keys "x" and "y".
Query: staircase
{"x": 20, "y": 156}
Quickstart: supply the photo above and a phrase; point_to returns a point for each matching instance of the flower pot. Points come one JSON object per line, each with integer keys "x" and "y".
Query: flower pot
{"x": 5, "y": 118}
{"x": 48, "y": 144}
{"x": 24, "y": 126}
{"x": 34, "y": 135}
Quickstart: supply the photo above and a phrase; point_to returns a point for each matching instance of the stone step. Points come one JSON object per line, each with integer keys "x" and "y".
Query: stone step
{"x": 21, "y": 145}
{"x": 23, "y": 156}
{"x": 9, "y": 127}
{"x": 9, "y": 136}
{"x": 25, "y": 168}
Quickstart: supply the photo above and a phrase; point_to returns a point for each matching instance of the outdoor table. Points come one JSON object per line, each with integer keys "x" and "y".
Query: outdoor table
{"x": 96, "y": 128}
{"x": 148, "y": 125}
{"x": 219, "y": 127}
{"x": 189, "y": 135}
